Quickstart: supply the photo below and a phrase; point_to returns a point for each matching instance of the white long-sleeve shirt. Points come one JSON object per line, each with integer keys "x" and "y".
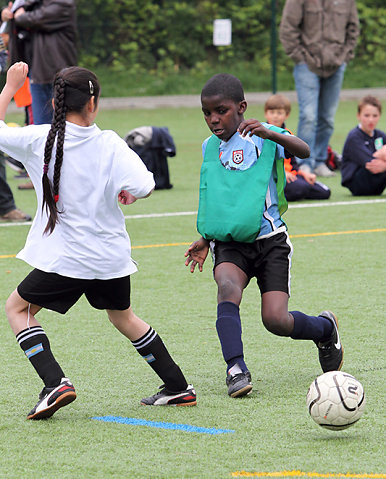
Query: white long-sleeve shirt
{"x": 90, "y": 240}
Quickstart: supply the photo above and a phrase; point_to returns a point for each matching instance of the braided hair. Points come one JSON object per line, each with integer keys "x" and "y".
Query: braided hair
{"x": 73, "y": 88}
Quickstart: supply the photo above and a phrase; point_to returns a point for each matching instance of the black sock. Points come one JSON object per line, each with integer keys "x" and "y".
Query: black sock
{"x": 316, "y": 328}
{"x": 228, "y": 327}
{"x": 153, "y": 350}
{"x": 34, "y": 342}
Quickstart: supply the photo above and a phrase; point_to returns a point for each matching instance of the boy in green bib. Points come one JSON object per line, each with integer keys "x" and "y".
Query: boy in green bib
{"x": 239, "y": 219}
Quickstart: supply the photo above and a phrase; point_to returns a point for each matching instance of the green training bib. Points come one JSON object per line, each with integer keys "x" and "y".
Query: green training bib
{"x": 231, "y": 202}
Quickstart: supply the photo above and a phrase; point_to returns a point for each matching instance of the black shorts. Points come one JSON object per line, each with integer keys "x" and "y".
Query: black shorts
{"x": 268, "y": 260}
{"x": 60, "y": 293}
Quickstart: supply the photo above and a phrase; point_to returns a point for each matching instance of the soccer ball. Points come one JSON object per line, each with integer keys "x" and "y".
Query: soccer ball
{"x": 336, "y": 400}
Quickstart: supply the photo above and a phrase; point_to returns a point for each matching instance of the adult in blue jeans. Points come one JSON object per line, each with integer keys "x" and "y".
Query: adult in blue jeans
{"x": 52, "y": 26}
{"x": 320, "y": 37}
{"x": 8, "y": 209}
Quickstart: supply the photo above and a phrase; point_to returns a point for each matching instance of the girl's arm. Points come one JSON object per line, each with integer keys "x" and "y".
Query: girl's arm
{"x": 16, "y": 77}
{"x": 291, "y": 143}
{"x": 126, "y": 198}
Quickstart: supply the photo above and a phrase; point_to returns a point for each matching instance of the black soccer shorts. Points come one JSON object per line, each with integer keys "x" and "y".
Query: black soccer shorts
{"x": 267, "y": 259}
{"x": 60, "y": 293}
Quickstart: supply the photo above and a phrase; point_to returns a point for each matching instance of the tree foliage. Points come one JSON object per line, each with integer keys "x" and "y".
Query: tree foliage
{"x": 169, "y": 35}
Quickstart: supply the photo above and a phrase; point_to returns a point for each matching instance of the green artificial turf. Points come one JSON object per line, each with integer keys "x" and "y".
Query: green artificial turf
{"x": 273, "y": 433}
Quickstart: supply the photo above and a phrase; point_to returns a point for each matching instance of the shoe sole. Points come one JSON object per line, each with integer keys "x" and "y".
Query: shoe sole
{"x": 63, "y": 400}
{"x": 337, "y": 327}
{"x": 242, "y": 392}
{"x": 20, "y": 220}
{"x": 193, "y": 403}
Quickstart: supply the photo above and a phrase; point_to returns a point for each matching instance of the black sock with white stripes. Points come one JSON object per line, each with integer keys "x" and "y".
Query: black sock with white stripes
{"x": 34, "y": 342}
{"x": 154, "y": 352}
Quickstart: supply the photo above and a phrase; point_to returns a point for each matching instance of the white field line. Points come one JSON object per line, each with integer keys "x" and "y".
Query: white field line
{"x": 321, "y": 204}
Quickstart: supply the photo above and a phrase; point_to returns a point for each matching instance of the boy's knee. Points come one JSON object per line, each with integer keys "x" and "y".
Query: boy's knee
{"x": 229, "y": 291}
{"x": 277, "y": 323}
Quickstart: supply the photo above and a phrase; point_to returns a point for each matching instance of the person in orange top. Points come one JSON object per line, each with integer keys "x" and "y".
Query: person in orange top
{"x": 301, "y": 184}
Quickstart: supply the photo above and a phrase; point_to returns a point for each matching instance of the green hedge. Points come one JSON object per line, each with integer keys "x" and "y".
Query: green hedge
{"x": 170, "y": 35}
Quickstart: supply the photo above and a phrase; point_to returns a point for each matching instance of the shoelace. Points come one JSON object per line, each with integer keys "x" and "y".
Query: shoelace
{"x": 236, "y": 377}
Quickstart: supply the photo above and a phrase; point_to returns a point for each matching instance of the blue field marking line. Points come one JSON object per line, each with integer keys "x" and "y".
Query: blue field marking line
{"x": 162, "y": 425}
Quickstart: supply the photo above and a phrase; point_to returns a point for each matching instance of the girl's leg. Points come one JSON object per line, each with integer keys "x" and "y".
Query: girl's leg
{"x": 150, "y": 346}
{"x": 128, "y": 323}
{"x": 32, "y": 339}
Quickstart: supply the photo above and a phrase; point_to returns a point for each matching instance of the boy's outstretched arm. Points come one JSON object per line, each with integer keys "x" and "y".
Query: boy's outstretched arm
{"x": 291, "y": 143}
{"x": 196, "y": 254}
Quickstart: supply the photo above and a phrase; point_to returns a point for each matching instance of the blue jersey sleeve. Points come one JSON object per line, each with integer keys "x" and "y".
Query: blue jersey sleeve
{"x": 204, "y": 146}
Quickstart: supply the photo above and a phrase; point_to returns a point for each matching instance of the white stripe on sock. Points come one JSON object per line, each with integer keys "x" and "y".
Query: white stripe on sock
{"x": 146, "y": 340}
{"x": 21, "y": 337}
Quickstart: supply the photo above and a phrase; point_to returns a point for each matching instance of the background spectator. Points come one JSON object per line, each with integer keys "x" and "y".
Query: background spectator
{"x": 378, "y": 163}
{"x": 359, "y": 174}
{"x": 320, "y": 37}
{"x": 8, "y": 210}
{"x": 300, "y": 184}
{"x": 52, "y": 26}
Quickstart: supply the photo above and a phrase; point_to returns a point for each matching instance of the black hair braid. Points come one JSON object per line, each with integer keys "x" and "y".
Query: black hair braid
{"x": 51, "y": 192}
{"x": 59, "y": 154}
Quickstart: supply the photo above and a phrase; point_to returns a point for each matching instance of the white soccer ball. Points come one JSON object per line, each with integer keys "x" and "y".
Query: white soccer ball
{"x": 336, "y": 400}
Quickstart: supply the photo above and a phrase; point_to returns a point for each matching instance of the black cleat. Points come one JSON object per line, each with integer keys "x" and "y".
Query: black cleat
{"x": 51, "y": 399}
{"x": 331, "y": 351}
{"x": 164, "y": 397}
{"x": 239, "y": 384}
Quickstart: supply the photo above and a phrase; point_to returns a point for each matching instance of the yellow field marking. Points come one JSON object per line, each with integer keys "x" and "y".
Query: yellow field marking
{"x": 305, "y": 474}
{"x": 309, "y": 235}
{"x": 332, "y": 233}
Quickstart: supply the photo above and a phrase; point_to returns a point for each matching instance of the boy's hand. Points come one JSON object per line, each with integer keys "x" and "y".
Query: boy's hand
{"x": 6, "y": 13}
{"x": 376, "y": 166}
{"x": 290, "y": 177}
{"x": 309, "y": 177}
{"x": 378, "y": 163}
{"x": 196, "y": 254}
{"x": 253, "y": 127}
{"x": 16, "y": 76}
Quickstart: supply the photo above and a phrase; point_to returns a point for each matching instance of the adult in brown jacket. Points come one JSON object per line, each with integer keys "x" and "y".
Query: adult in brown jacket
{"x": 320, "y": 36}
{"x": 52, "y": 26}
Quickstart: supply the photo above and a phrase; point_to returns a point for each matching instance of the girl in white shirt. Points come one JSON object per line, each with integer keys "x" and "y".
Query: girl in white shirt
{"x": 78, "y": 242}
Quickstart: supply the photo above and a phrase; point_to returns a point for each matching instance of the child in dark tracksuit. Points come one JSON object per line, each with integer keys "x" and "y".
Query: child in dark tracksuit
{"x": 360, "y": 145}
{"x": 300, "y": 185}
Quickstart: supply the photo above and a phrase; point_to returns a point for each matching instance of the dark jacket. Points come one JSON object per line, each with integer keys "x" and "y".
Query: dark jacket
{"x": 358, "y": 150}
{"x": 52, "y": 24}
{"x": 321, "y": 33}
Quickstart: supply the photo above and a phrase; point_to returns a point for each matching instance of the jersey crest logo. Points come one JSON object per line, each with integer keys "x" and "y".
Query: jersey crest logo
{"x": 237, "y": 156}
